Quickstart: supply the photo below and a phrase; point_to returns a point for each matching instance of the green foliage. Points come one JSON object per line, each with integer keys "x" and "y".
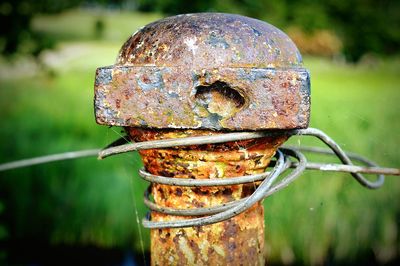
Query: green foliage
{"x": 367, "y": 26}
{"x": 16, "y": 34}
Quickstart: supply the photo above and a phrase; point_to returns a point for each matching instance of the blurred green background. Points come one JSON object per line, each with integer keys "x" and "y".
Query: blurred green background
{"x": 89, "y": 210}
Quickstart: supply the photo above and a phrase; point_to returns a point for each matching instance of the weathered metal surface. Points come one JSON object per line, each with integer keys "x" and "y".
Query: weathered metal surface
{"x": 238, "y": 241}
{"x": 224, "y": 98}
{"x": 208, "y": 71}
{"x": 212, "y": 39}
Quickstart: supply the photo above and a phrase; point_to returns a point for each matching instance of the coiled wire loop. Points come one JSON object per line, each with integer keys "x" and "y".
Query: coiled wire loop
{"x": 269, "y": 180}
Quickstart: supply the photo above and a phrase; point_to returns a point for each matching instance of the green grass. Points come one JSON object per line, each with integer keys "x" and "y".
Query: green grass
{"x": 87, "y": 201}
{"x": 325, "y": 212}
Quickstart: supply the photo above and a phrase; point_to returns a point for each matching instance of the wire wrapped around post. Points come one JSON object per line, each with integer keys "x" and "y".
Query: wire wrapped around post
{"x": 269, "y": 184}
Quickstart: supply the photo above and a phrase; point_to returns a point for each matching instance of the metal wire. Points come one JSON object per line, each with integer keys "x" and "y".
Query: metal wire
{"x": 49, "y": 158}
{"x": 199, "y": 140}
{"x": 344, "y": 158}
{"x": 228, "y": 210}
{"x": 238, "y": 208}
{"x": 267, "y": 187}
{"x": 113, "y": 150}
{"x": 334, "y": 147}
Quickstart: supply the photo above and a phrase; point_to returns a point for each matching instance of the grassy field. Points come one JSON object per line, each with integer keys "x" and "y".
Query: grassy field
{"x": 321, "y": 217}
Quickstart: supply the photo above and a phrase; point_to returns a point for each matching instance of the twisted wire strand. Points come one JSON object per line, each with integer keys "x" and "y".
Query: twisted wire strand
{"x": 267, "y": 187}
{"x": 231, "y": 212}
{"x": 226, "y": 211}
{"x": 225, "y": 182}
{"x": 344, "y": 158}
{"x": 334, "y": 147}
{"x": 49, "y": 158}
{"x": 117, "y": 148}
{"x": 343, "y": 167}
{"x": 187, "y": 212}
{"x": 185, "y": 182}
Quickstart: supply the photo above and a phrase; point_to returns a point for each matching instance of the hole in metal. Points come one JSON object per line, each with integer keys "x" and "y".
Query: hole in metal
{"x": 219, "y": 98}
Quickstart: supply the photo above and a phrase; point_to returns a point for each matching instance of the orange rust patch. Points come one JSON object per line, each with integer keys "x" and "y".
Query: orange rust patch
{"x": 237, "y": 241}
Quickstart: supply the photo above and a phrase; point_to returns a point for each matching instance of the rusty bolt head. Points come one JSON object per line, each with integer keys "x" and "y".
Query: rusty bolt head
{"x": 209, "y": 71}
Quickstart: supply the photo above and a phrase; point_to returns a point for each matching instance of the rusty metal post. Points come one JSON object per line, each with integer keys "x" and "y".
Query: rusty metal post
{"x": 196, "y": 75}
{"x": 237, "y": 241}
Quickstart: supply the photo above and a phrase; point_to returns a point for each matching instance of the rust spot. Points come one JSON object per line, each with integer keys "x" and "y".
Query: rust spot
{"x": 198, "y": 230}
{"x": 118, "y": 103}
{"x": 247, "y": 190}
{"x": 178, "y": 192}
{"x": 197, "y": 203}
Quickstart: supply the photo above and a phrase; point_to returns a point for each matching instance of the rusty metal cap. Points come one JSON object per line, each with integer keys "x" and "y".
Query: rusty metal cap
{"x": 206, "y": 70}
{"x": 210, "y": 40}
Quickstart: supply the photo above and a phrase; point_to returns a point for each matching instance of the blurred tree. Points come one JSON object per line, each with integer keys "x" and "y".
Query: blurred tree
{"x": 367, "y": 26}
{"x": 275, "y": 12}
{"x": 172, "y": 7}
{"x": 99, "y": 27}
{"x": 310, "y": 15}
{"x": 16, "y": 15}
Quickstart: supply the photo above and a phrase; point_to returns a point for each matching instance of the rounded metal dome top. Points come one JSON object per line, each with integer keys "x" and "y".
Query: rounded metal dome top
{"x": 210, "y": 40}
{"x": 205, "y": 71}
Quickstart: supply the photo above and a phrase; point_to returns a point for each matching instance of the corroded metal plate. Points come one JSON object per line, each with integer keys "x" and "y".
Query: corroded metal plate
{"x": 220, "y": 98}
